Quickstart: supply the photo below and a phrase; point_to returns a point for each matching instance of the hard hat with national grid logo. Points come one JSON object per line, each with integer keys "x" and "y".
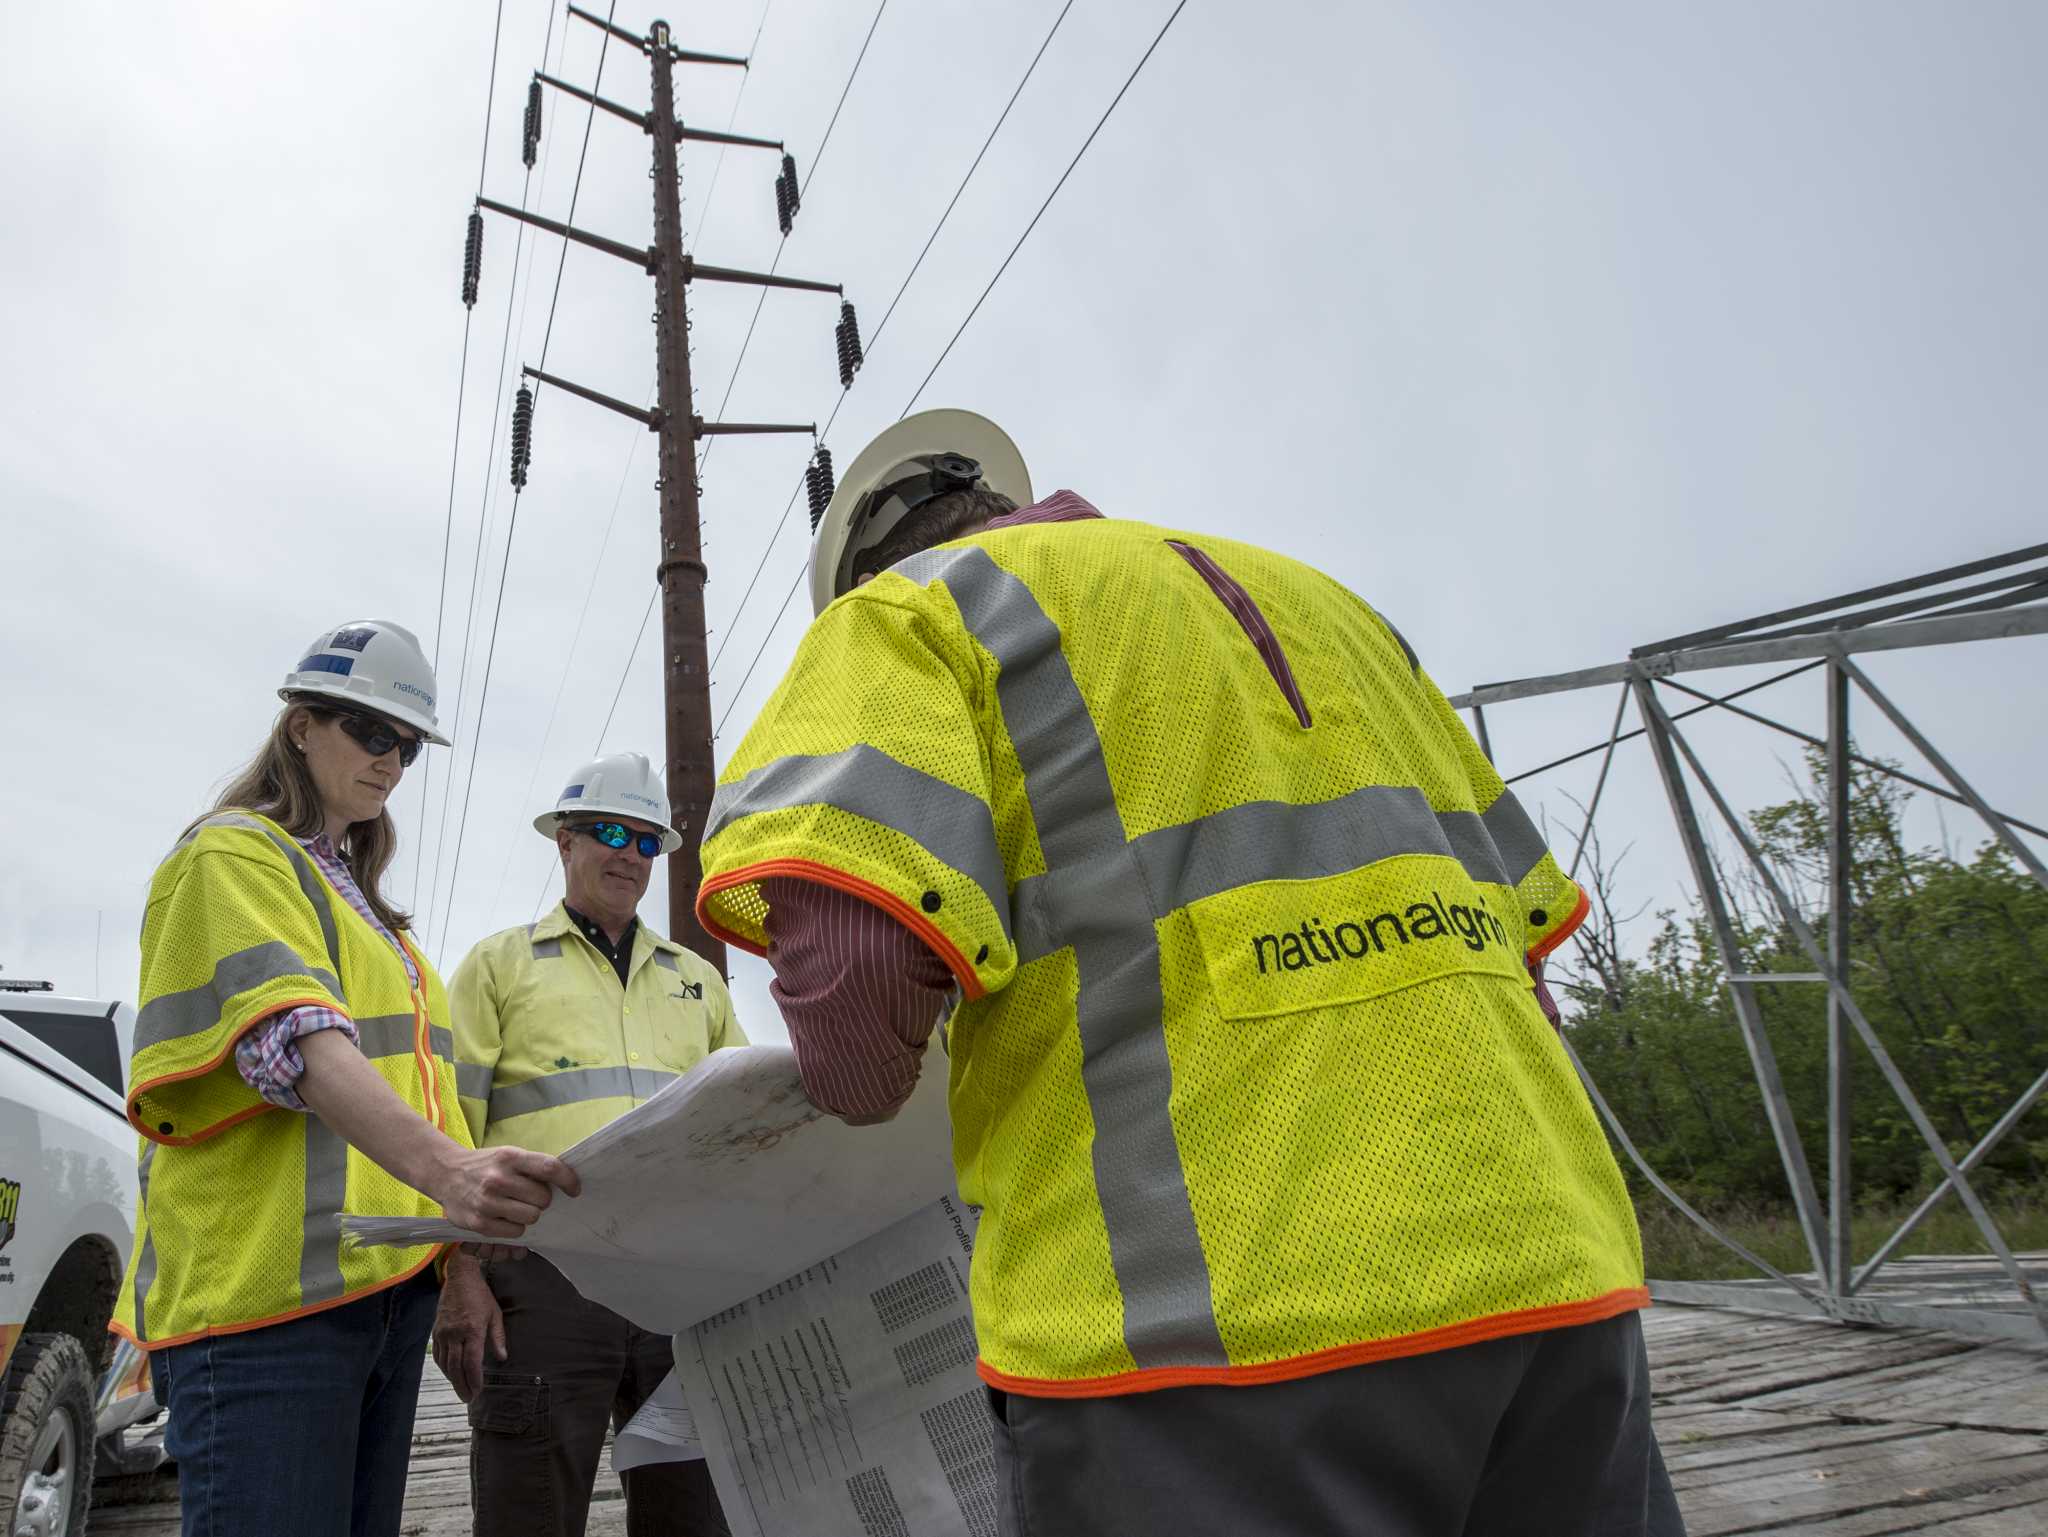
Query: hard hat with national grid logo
{"x": 374, "y": 664}
{"x": 620, "y": 784}
{"x": 921, "y": 457}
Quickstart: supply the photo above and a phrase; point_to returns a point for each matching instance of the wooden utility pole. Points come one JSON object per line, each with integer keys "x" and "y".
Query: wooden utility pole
{"x": 685, "y": 663}
{"x": 680, "y": 571}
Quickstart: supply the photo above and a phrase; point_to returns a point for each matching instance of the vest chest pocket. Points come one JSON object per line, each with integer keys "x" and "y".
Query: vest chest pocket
{"x": 1280, "y": 947}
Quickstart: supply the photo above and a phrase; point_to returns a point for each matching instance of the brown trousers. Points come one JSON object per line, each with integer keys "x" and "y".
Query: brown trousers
{"x": 537, "y": 1428}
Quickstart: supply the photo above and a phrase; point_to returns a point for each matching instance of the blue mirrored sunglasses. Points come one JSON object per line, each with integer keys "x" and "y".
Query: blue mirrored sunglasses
{"x": 616, "y": 835}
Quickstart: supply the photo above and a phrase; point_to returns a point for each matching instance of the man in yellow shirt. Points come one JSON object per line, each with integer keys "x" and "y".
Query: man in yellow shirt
{"x": 560, "y": 1027}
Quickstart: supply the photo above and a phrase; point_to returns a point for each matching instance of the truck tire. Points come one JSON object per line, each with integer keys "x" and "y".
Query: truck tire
{"x": 46, "y": 1438}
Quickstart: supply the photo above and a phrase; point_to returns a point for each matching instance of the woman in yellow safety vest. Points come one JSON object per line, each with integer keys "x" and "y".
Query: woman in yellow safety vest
{"x": 293, "y": 1061}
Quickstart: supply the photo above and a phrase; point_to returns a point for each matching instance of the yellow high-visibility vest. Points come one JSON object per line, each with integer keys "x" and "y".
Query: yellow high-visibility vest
{"x": 1249, "y": 1075}
{"x": 549, "y": 1046}
{"x": 239, "y": 1219}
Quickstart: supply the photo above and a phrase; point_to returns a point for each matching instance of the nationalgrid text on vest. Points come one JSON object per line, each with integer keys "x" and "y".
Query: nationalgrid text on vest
{"x": 1475, "y": 928}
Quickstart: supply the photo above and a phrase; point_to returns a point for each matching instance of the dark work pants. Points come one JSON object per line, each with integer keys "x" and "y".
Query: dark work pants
{"x": 1539, "y": 1435}
{"x": 537, "y": 1428}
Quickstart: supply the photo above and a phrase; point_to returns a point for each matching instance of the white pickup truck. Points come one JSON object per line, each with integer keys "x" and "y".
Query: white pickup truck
{"x": 72, "y": 1396}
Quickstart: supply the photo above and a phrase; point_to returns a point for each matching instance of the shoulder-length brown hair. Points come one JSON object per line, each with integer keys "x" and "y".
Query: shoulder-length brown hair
{"x": 277, "y": 784}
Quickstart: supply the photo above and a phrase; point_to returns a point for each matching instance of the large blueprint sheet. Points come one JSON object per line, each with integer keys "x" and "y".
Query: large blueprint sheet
{"x": 721, "y": 1185}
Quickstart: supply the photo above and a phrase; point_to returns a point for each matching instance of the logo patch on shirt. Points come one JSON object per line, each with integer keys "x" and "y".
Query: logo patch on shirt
{"x": 1279, "y": 946}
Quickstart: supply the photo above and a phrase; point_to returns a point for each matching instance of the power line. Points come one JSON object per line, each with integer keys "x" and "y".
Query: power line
{"x": 813, "y": 171}
{"x": 569, "y": 661}
{"x": 484, "y": 508}
{"x": 782, "y": 245}
{"x": 985, "y": 143}
{"x": 491, "y": 89}
{"x": 718, "y": 165}
{"x": 547, "y": 736}
{"x": 769, "y": 548}
{"x": 512, "y": 524}
{"x": 455, "y": 458}
{"x": 617, "y": 695}
{"x": 1097, "y": 129}
{"x": 455, "y": 455}
{"x": 772, "y": 624}
{"x": 1069, "y": 171}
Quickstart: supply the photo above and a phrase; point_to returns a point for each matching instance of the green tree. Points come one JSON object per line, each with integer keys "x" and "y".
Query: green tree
{"x": 1949, "y": 961}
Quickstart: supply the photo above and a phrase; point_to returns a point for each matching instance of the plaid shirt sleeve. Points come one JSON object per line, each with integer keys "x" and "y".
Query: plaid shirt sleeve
{"x": 268, "y": 1056}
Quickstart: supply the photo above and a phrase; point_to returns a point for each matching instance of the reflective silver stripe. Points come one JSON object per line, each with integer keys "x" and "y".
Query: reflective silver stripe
{"x": 173, "y": 1016}
{"x": 574, "y": 1086}
{"x": 145, "y": 1265}
{"x": 1275, "y": 840}
{"x": 1169, "y": 1314}
{"x": 951, "y": 824}
{"x": 1265, "y": 841}
{"x": 547, "y": 949}
{"x": 326, "y": 1192}
{"x": 1472, "y": 842}
{"x": 667, "y": 962}
{"x": 1520, "y": 843}
{"x": 1400, "y": 640}
{"x": 391, "y": 1035}
{"x": 473, "y": 1080}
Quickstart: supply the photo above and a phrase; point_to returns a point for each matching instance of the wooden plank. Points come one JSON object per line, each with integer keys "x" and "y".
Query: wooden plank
{"x": 1906, "y": 1475}
{"x": 2010, "y": 1514}
{"x": 1992, "y": 1388}
{"x": 1769, "y": 1424}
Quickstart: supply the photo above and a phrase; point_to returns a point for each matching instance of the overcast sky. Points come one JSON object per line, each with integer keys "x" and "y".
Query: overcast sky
{"x": 1551, "y": 330}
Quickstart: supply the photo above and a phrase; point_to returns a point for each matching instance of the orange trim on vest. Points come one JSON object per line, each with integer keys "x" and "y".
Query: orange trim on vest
{"x": 115, "y": 1326}
{"x": 424, "y": 1060}
{"x": 825, "y": 875}
{"x": 1498, "y": 1326}
{"x": 206, "y": 1067}
{"x": 1571, "y": 927}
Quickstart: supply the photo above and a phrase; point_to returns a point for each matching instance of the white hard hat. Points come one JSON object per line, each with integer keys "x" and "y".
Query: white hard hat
{"x": 620, "y": 784}
{"x": 921, "y": 457}
{"x": 375, "y": 664}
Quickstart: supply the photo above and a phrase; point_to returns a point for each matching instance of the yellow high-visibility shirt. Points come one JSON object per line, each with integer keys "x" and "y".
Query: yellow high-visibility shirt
{"x": 548, "y": 1045}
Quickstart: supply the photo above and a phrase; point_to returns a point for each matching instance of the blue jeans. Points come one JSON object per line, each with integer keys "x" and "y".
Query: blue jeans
{"x": 304, "y": 1427}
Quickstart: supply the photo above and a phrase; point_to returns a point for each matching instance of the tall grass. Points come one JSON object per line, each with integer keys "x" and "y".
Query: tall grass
{"x": 1674, "y": 1249}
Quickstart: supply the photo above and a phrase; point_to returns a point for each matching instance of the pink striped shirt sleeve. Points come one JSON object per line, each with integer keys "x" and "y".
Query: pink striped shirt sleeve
{"x": 859, "y": 992}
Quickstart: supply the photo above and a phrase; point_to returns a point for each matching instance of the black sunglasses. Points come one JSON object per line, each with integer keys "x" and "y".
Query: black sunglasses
{"x": 616, "y": 835}
{"x": 377, "y": 736}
